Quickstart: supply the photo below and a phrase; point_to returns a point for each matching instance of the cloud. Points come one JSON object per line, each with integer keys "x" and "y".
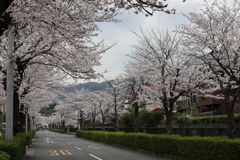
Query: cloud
{"x": 114, "y": 59}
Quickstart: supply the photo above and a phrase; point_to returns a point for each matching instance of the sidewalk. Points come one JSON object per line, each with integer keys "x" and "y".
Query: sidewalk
{"x": 29, "y": 152}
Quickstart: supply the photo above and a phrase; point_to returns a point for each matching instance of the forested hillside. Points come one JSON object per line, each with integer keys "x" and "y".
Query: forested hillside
{"x": 91, "y": 86}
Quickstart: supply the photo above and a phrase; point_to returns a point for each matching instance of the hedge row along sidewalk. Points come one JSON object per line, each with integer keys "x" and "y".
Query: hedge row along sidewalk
{"x": 16, "y": 149}
{"x": 193, "y": 148}
{"x": 208, "y": 119}
{"x": 58, "y": 130}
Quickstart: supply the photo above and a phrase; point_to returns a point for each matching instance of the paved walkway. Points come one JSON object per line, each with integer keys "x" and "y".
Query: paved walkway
{"x": 30, "y": 152}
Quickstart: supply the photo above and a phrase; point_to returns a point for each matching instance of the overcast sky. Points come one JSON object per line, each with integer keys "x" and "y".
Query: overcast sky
{"x": 114, "y": 59}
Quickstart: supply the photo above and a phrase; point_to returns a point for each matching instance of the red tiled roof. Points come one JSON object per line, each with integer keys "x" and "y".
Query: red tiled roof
{"x": 159, "y": 110}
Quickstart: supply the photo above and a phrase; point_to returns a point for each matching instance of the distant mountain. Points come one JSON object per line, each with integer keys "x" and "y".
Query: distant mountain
{"x": 91, "y": 86}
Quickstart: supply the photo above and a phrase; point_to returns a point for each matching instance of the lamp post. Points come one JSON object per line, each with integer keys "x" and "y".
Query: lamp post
{"x": 26, "y": 119}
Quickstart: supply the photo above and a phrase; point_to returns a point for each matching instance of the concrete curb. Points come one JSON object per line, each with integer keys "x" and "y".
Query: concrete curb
{"x": 29, "y": 152}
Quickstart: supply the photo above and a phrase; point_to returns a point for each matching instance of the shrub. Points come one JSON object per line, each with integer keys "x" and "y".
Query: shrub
{"x": 16, "y": 148}
{"x": 208, "y": 148}
{"x": 146, "y": 118}
{"x": 62, "y": 131}
{"x": 195, "y": 148}
{"x": 55, "y": 130}
{"x": 4, "y": 156}
{"x": 207, "y": 119}
{"x": 58, "y": 130}
{"x": 27, "y": 136}
{"x": 182, "y": 120}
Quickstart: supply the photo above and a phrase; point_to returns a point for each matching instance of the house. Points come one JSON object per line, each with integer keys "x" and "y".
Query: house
{"x": 159, "y": 110}
{"x": 187, "y": 105}
{"x": 211, "y": 106}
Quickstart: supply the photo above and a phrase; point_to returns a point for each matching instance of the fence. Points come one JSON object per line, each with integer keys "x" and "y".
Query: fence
{"x": 211, "y": 129}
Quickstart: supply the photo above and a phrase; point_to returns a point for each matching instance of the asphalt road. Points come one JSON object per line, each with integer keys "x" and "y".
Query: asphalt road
{"x": 54, "y": 146}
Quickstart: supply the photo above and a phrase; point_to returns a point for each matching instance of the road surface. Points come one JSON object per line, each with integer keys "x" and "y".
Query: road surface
{"x": 54, "y": 146}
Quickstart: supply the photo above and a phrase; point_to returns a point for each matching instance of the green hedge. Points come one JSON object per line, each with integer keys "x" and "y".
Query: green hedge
{"x": 28, "y": 136}
{"x": 208, "y": 119}
{"x": 4, "y": 156}
{"x": 194, "y": 148}
{"x": 17, "y": 147}
{"x": 58, "y": 130}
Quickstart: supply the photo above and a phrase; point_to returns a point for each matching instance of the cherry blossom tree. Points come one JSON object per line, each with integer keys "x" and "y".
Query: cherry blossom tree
{"x": 115, "y": 88}
{"x": 169, "y": 74}
{"x": 77, "y": 104}
{"x": 213, "y": 37}
{"x": 133, "y": 88}
{"x": 96, "y": 107}
{"x": 105, "y": 105}
{"x": 40, "y": 42}
{"x": 65, "y": 115}
{"x": 37, "y": 89}
{"x": 48, "y": 10}
{"x": 65, "y": 53}
{"x": 59, "y": 34}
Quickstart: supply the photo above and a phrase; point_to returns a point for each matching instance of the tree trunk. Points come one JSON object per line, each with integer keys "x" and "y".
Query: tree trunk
{"x": 168, "y": 120}
{"x": 21, "y": 119}
{"x": 17, "y": 127}
{"x": 136, "y": 117}
{"x": 63, "y": 124}
{"x": 115, "y": 119}
{"x": 21, "y": 123}
{"x": 93, "y": 122}
{"x": 29, "y": 123}
{"x": 232, "y": 133}
{"x": 81, "y": 124}
{"x": 103, "y": 123}
{"x": 231, "y": 123}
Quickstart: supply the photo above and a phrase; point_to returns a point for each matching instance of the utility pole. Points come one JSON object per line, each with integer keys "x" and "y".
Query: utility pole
{"x": 10, "y": 72}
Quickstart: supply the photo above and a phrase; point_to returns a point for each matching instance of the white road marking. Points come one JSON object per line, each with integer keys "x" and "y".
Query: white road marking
{"x": 94, "y": 147}
{"x": 77, "y": 148}
{"x": 69, "y": 143}
{"x": 95, "y": 157}
{"x": 46, "y": 139}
